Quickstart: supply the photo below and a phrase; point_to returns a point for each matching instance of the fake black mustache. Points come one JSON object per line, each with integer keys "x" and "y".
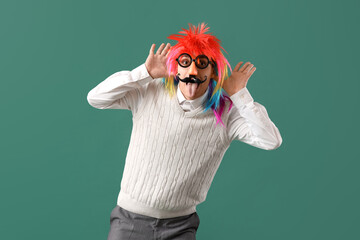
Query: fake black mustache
{"x": 191, "y": 79}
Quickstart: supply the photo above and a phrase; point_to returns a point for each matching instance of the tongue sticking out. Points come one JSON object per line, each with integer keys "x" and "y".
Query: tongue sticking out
{"x": 191, "y": 87}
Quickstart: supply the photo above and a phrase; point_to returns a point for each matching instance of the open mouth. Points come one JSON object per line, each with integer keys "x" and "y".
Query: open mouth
{"x": 193, "y": 83}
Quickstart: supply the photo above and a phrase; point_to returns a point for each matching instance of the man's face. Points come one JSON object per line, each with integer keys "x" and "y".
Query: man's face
{"x": 192, "y": 90}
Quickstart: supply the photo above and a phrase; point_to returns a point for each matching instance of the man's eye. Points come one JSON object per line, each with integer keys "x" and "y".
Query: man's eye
{"x": 202, "y": 64}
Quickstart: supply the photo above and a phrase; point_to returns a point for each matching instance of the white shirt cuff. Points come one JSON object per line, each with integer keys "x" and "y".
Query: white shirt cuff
{"x": 242, "y": 97}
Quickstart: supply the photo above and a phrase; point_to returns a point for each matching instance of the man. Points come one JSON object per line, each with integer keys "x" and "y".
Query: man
{"x": 177, "y": 143}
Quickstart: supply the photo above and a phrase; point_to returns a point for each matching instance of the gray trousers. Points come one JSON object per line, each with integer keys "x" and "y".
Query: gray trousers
{"x": 126, "y": 225}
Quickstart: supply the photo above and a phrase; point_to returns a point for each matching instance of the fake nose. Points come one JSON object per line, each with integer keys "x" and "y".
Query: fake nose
{"x": 193, "y": 70}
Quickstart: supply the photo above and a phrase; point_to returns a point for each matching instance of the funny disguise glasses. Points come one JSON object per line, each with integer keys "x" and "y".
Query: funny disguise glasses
{"x": 185, "y": 60}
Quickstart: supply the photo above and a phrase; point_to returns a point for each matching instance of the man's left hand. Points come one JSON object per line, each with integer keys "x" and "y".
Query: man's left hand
{"x": 238, "y": 78}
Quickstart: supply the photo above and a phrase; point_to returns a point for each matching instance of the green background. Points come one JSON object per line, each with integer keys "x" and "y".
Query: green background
{"x": 62, "y": 160}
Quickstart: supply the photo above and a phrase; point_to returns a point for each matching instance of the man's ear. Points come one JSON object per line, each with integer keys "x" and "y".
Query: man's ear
{"x": 213, "y": 75}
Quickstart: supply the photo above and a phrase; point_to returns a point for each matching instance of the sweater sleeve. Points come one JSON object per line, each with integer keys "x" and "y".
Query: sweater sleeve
{"x": 121, "y": 90}
{"x": 249, "y": 122}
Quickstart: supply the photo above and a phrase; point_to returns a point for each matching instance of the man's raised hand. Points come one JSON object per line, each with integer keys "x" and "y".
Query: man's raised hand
{"x": 239, "y": 78}
{"x": 156, "y": 63}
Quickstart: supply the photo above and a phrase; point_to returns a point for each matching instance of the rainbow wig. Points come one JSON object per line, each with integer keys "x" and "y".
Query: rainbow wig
{"x": 196, "y": 41}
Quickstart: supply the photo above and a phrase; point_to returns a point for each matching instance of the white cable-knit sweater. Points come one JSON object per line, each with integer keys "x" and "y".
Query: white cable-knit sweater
{"x": 174, "y": 154}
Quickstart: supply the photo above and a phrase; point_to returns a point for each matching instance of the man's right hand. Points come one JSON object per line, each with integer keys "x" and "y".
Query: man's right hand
{"x": 156, "y": 63}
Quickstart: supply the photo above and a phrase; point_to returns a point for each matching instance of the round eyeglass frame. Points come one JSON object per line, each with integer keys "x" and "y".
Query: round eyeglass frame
{"x": 194, "y": 60}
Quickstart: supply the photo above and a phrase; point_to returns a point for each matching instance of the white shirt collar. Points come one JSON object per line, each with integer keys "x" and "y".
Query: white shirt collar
{"x": 193, "y": 104}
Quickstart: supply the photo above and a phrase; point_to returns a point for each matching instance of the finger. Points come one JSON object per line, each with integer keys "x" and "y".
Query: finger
{"x": 237, "y": 67}
{"x": 152, "y": 49}
{"x": 158, "y": 52}
{"x": 248, "y": 68}
{"x": 244, "y": 66}
{"x": 165, "y": 51}
{"x": 252, "y": 70}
